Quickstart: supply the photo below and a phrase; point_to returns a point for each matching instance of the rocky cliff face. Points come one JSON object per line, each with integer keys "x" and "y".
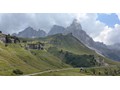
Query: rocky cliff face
{"x": 76, "y": 30}
{"x": 114, "y": 46}
{"x": 56, "y": 30}
{"x": 29, "y": 32}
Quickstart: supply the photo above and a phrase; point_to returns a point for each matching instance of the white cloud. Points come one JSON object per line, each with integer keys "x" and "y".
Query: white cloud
{"x": 98, "y": 30}
{"x": 114, "y": 36}
{"x": 103, "y": 36}
{"x": 118, "y": 14}
{"x": 109, "y": 35}
{"x": 10, "y": 23}
{"x": 90, "y": 24}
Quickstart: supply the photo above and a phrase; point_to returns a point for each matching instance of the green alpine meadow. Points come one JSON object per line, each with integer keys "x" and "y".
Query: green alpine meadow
{"x": 63, "y": 51}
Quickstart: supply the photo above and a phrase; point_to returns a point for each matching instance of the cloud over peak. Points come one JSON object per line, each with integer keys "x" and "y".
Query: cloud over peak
{"x": 98, "y": 30}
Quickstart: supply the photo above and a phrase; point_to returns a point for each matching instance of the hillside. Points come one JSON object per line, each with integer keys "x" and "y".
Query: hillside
{"x": 14, "y": 56}
{"x": 67, "y": 43}
{"x": 78, "y": 56}
{"x": 75, "y": 28}
{"x": 59, "y": 52}
{"x": 93, "y": 71}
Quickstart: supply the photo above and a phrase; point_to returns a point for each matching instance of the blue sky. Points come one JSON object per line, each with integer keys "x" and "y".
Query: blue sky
{"x": 109, "y": 19}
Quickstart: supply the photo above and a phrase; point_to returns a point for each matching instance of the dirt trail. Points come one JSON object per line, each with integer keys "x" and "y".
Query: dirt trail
{"x": 57, "y": 70}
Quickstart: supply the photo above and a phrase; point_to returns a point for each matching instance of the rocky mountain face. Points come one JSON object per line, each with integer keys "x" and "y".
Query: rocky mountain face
{"x": 56, "y": 30}
{"x": 114, "y": 46}
{"x": 29, "y": 32}
{"x": 76, "y": 30}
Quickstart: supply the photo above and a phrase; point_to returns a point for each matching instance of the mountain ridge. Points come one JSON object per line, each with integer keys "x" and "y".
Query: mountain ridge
{"x": 29, "y": 32}
{"x": 56, "y": 29}
{"x": 75, "y": 29}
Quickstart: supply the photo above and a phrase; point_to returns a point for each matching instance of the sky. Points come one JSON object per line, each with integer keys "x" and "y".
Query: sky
{"x": 109, "y": 19}
{"x": 102, "y": 27}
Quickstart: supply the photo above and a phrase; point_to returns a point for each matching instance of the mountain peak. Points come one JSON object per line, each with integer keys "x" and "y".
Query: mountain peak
{"x": 29, "y": 28}
{"x": 29, "y": 32}
{"x": 76, "y": 25}
{"x": 56, "y": 30}
{"x": 75, "y": 21}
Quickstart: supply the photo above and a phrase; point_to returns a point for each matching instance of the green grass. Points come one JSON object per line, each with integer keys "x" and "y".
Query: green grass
{"x": 74, "y": 72}
{"x": 71, "y": 44}
{"x": 68, "y": 43}
{"x": 15, "y": 56}
{"x": 95, "y": 71}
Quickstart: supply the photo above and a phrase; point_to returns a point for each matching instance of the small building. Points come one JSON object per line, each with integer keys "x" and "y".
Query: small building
{"x": 81, "y": 69}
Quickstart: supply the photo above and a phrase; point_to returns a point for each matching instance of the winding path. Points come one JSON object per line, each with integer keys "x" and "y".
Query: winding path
{"x": 57, "y": 70}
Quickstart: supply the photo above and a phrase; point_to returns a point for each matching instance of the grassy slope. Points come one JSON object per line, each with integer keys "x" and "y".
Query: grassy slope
{"x": 67, "y": 43}
{"x": 73, "y": 45}
{"x": 95, "y": 71}
{"x": 29, "y": 61}
{"x": 15, "y": 57}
